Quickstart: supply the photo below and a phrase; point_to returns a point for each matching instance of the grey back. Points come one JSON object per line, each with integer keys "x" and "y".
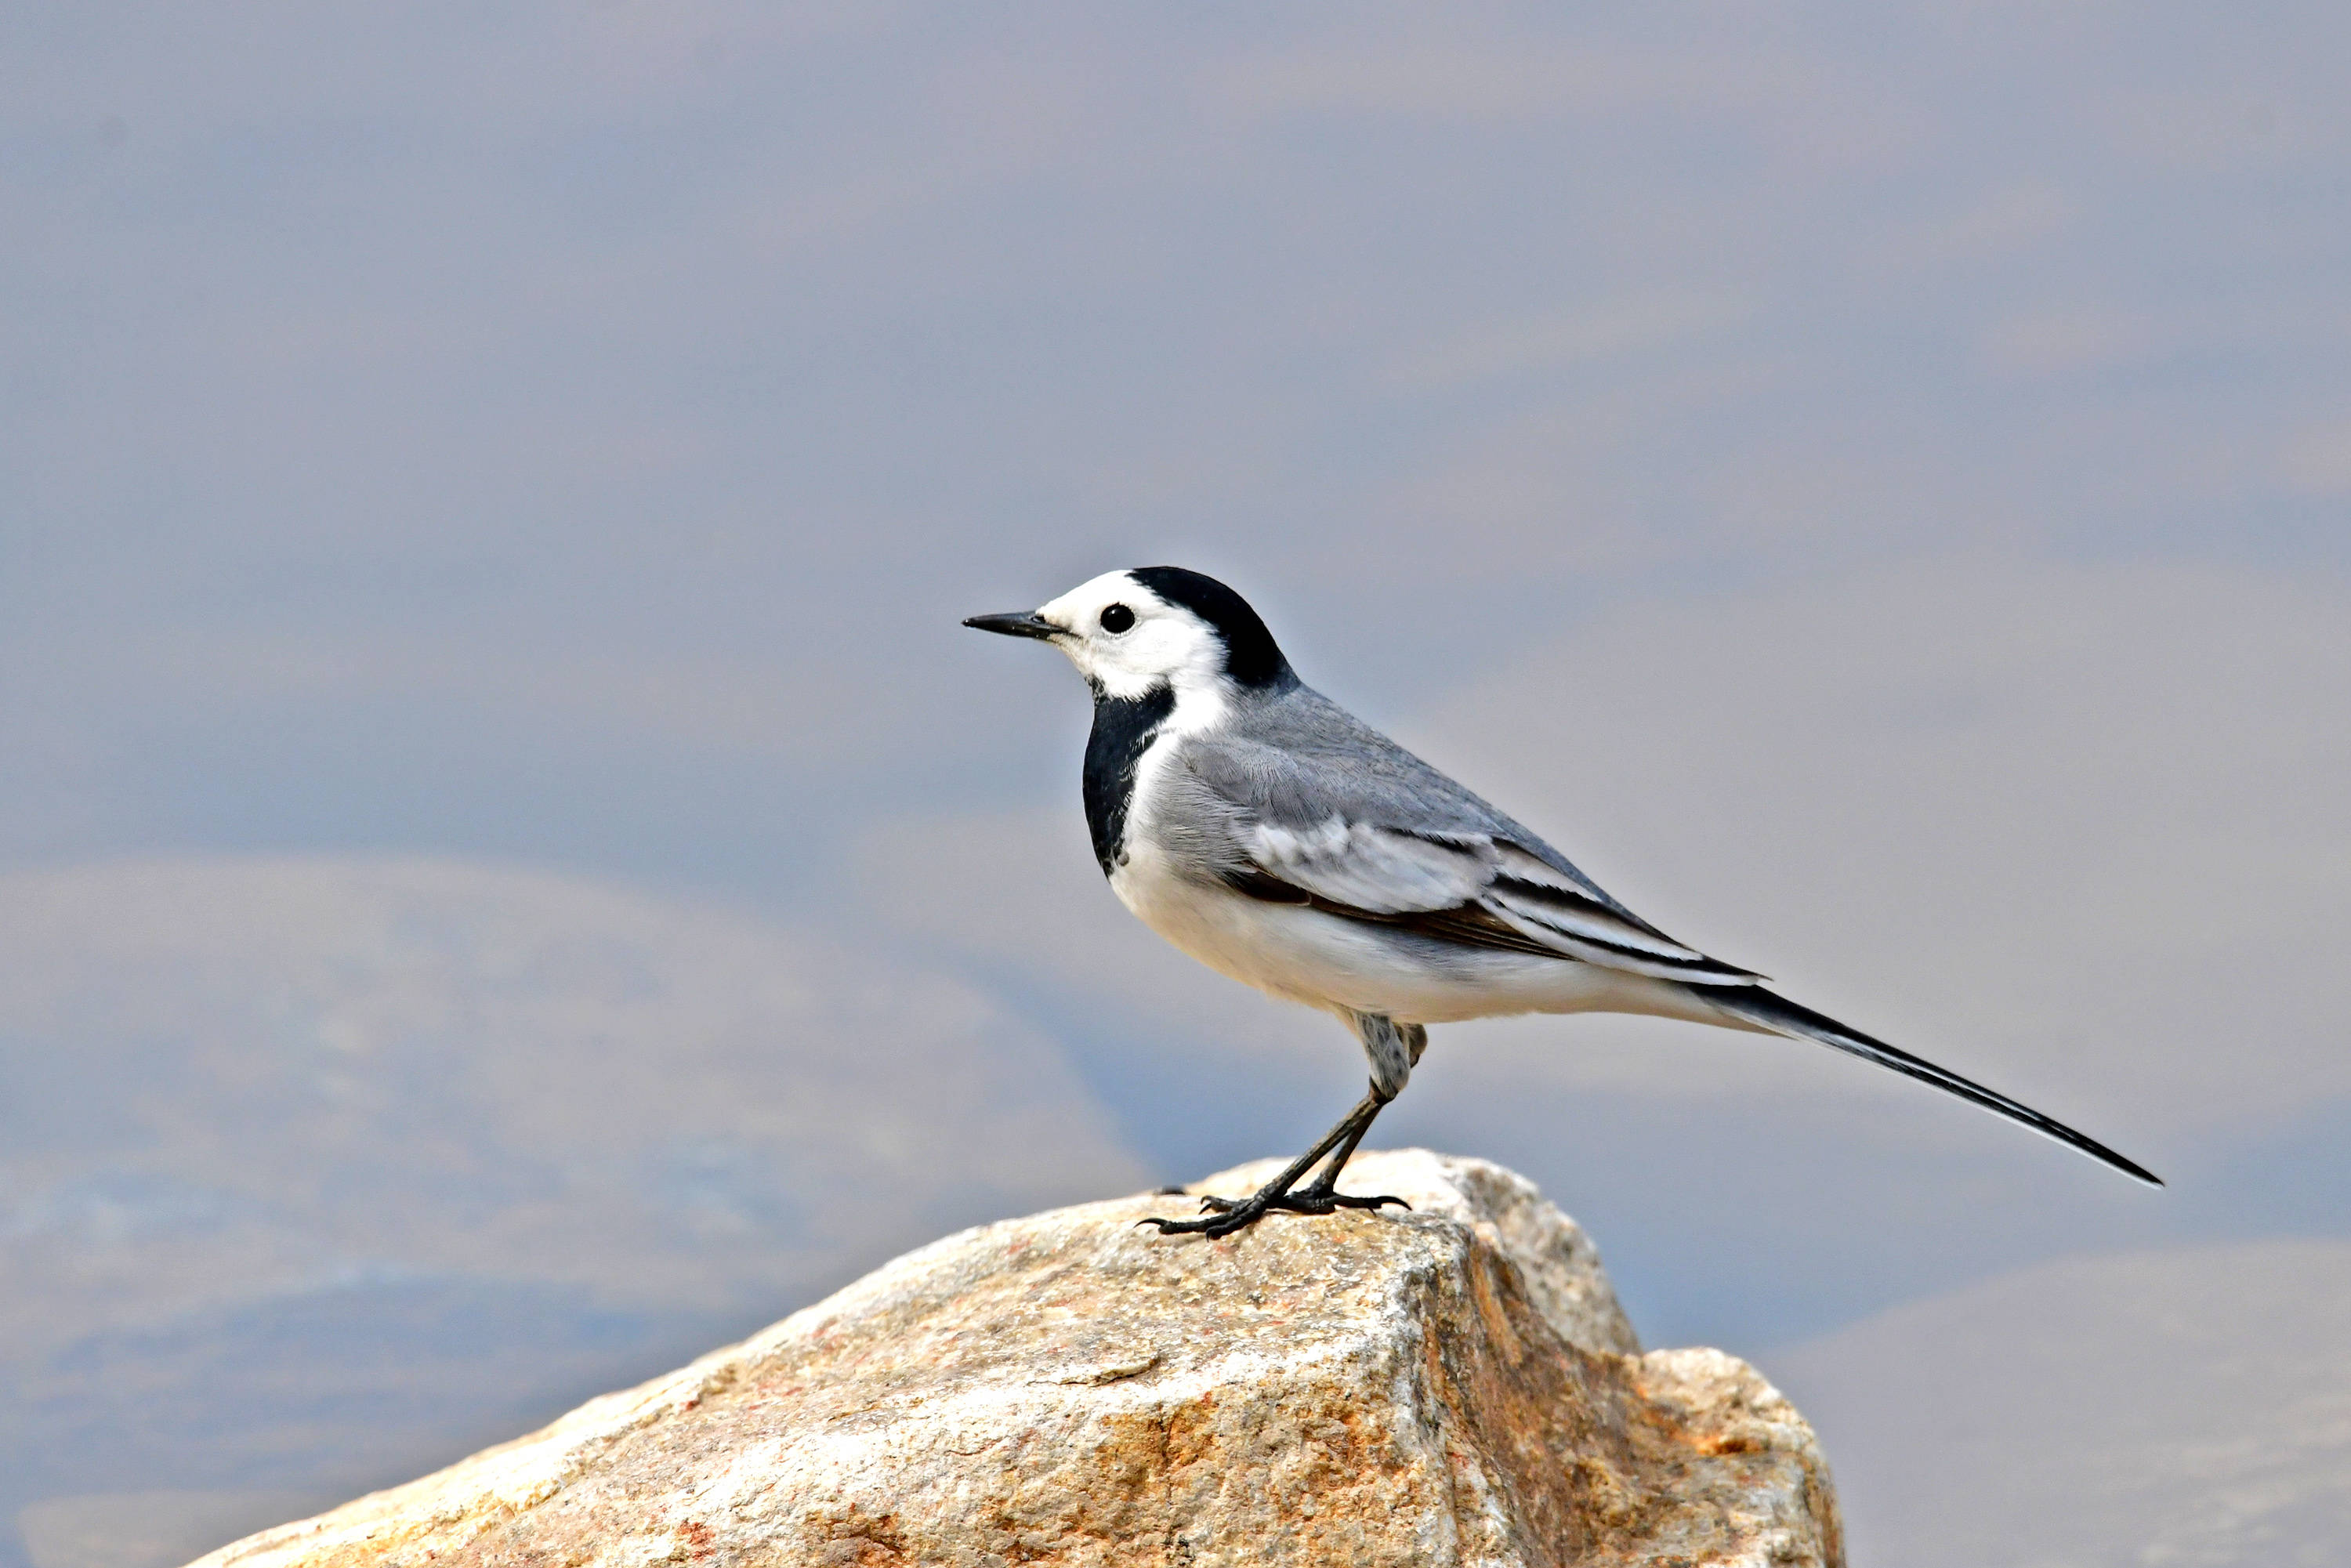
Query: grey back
{"x": 1294, "y": 759}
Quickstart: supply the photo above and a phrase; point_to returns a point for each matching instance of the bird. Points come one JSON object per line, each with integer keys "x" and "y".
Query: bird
{"x": 1269, "y": 833}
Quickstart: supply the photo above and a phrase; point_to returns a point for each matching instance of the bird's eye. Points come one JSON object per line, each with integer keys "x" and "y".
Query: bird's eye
{"x": 1117, "y": 618}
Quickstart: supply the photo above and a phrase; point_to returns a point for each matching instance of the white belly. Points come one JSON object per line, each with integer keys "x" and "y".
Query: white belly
{"x": 1343, "y": 966}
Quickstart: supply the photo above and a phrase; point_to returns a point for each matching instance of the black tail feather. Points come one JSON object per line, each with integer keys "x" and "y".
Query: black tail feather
{"x": 1755, "y": 1005}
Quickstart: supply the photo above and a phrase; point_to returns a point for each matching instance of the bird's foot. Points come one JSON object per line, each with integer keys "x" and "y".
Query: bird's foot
{"x": 1224, "y": 1215}
{"x": 1315, "y": 1199}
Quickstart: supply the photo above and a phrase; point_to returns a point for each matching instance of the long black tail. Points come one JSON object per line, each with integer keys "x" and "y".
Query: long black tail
{"x": 1781, "y": 1015}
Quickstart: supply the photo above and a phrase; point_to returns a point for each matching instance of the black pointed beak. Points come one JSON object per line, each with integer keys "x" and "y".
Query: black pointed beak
{"x": 1016, "y": 623}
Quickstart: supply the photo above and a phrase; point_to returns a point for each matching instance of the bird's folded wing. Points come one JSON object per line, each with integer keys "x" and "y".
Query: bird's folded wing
{"x": 1469, "y": 881}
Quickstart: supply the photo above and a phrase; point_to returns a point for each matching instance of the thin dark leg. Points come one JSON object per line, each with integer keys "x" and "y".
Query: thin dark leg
{"x": 1342, "y": 1138}
{"x": 1226, "y": 1215}
{"x": 1323, "y": 1185}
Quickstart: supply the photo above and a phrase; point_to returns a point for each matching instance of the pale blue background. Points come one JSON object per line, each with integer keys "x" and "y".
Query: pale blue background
{"x": 486, "y": 497}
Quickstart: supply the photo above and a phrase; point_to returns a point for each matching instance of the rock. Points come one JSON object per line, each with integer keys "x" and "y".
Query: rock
{"x": 1455, "y": 1384}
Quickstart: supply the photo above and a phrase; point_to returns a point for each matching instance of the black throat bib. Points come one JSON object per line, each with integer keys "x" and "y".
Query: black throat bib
{"x": 1123, "y": 730}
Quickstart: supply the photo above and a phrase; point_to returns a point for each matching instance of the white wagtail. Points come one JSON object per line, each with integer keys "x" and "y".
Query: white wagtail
{"x": 1272, "y": 835}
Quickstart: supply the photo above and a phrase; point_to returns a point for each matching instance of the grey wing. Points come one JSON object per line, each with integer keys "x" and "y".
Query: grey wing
{"x": 1320, "y": 809}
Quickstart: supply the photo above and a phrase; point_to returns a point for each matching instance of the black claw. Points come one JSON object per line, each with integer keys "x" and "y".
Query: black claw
{"x": 1322, "y": 1200}
{"x": 1227, "y": 1215}
{"x": 1221, "y": 1225}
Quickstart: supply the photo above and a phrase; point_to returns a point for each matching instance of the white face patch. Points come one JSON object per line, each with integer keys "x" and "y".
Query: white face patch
{"x": 1165, "y": 644}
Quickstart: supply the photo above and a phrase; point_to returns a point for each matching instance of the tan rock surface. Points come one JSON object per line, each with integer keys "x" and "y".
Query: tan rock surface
{"x": 1452, "y": 1386}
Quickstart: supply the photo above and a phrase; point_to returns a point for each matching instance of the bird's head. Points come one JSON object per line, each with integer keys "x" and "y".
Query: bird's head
{"x": 1131, "y": 631}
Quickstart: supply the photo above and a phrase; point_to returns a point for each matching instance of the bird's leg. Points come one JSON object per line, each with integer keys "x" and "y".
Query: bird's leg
{"x": 1410, "y": 1039}
{"x": 1393, "y": 1050}
{"x": 1339, "y": 1143}
{"x": 1324, "y": 1186}
{"x": 1277, "y": 1187}
{"x": 1226, "y": 1215}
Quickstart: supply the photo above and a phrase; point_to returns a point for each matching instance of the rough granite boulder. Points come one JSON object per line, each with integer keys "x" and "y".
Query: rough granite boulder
{"x": 1455, "y": 1384}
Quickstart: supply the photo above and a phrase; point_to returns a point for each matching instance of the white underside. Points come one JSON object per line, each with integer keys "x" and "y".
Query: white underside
{"x": 1345, "y": 965}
